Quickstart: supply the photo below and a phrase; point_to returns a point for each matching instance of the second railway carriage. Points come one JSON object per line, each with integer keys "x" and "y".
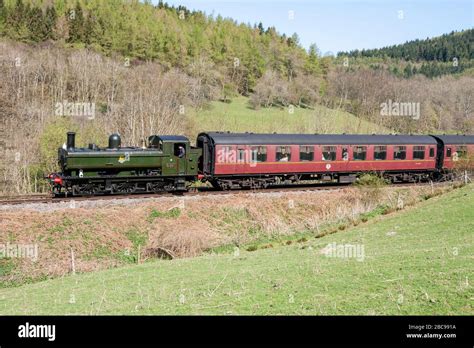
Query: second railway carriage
{"x": 455, "y": 152}
{"x": 233, "y": 160}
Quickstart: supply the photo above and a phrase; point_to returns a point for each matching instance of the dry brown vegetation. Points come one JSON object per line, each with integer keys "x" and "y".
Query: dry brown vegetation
{"x": 273, "y": 90}
{"x": 118, "y": 234}
{"x": 446, "y": 103}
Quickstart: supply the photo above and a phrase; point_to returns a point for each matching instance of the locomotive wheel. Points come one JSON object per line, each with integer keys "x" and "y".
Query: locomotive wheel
{"x": 125, "y": 188}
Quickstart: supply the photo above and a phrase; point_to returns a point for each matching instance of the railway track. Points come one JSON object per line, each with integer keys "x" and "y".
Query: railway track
{"x": 38, "y": 198}
{"x": 203, "y": 191}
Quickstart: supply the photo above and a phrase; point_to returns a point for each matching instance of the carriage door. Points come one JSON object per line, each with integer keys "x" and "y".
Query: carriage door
{"x": 180, "y": 152}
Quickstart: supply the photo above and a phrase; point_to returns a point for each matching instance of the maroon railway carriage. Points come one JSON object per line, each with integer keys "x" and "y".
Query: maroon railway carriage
{"x": 233, "y": 160}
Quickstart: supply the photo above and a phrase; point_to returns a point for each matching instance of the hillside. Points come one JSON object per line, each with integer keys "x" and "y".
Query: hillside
{"x": 238, "y": 116}
{"x": 416, "y": 261}
{"x": 235, "y": 54}
{"x": 451, "y": 53}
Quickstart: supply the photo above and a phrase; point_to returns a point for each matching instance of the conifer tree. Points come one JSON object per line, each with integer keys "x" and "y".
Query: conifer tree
{"x": 50, "y": 19}
{"x": 36, "y": 24}
{"x": 3, "y": 16}
{"x": 76, "y": 24}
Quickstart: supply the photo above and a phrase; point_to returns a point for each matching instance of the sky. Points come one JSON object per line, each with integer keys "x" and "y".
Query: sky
{"x": 343, "y": 25}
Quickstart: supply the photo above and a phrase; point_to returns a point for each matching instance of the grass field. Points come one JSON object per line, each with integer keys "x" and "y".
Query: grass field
{"x": 237, "y": 116}
{"x": 415, "y": 261}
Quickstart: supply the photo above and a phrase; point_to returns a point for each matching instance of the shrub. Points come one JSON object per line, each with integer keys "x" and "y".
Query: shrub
{"x": 372, "y": 180}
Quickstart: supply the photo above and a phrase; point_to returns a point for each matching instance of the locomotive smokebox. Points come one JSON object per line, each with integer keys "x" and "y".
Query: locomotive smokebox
{"x": 114, "y": 141}
{"x": 71, "y": 140}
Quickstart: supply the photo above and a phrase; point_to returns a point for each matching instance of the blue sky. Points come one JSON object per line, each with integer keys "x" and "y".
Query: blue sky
{"x": 341, "y": 25}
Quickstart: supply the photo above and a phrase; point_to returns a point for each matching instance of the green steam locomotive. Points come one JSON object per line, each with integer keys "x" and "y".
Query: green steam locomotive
{"x": 168, "y": 163}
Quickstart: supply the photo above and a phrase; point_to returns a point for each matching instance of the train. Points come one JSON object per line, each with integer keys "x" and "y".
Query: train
{"x": 225, "y": 160}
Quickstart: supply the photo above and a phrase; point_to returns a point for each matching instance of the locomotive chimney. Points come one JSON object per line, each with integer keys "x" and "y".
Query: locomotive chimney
{"x": 71, "y": 140}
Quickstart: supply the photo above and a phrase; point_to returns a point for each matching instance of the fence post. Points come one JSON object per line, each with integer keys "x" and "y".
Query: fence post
{"x": 73, "y": 262}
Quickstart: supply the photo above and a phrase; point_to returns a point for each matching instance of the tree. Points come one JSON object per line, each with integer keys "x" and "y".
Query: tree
{"x": 36, "y": 24}
{"x": 293, "y": 41}
{"x": 407, "y": 72}
{"x": 3, "y": 16}
{"x": 312, "y": 62}
{"x": 76, "y": 24}
{"x": 16, "y": 25}
{"x": 271, "y": 90}
{"x": 49, "y": 23}
{"x": 88, "y": 31}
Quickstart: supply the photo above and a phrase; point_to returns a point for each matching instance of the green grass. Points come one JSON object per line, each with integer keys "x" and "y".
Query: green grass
{"x": 237, "y": 116}
{"x": 173, "y": 213}
{"x": 416, "y": 261}
{"x": 6, "y": 266}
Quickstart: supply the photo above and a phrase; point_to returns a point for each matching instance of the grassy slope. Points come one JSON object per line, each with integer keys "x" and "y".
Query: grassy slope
{"x": 237, "y": 116}
{"x": 417, "y": 261}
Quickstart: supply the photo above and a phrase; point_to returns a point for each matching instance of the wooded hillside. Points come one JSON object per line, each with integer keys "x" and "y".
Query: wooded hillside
{"x": 450, "y": 53}
{"x": 443, "y": 48}
{"x": 233, "y": 56}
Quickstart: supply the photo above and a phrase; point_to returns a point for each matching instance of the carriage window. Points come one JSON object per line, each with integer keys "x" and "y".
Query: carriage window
{"x": 399, "y": 152}
{"x": 283, "y": 153}
{"x": 418, "y": 152}
{"x": 359, "y": 153}
{"x": 448, "y": 152}
{"x": 259, "y": 153}
{"x": 241, "y": 155}
{"x": 380, "y": 153}
{"x": 345, "y": 154}
{"x": 306, "y": 153}
{"x": 329, "y": 153}
{"x": 431, "y": 152}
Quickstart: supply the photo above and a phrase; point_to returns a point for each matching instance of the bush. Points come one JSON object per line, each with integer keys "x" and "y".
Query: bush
{"x": 271, "y": 90}
{"x": 372, "y": 180}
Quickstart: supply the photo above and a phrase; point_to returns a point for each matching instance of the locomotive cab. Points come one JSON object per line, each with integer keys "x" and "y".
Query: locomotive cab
{"x": 177, "y": 150}
{"x": 181, "y": 158}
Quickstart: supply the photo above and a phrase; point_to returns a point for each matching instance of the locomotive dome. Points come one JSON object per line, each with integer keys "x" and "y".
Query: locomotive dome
{"x": 115, "y": 141}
